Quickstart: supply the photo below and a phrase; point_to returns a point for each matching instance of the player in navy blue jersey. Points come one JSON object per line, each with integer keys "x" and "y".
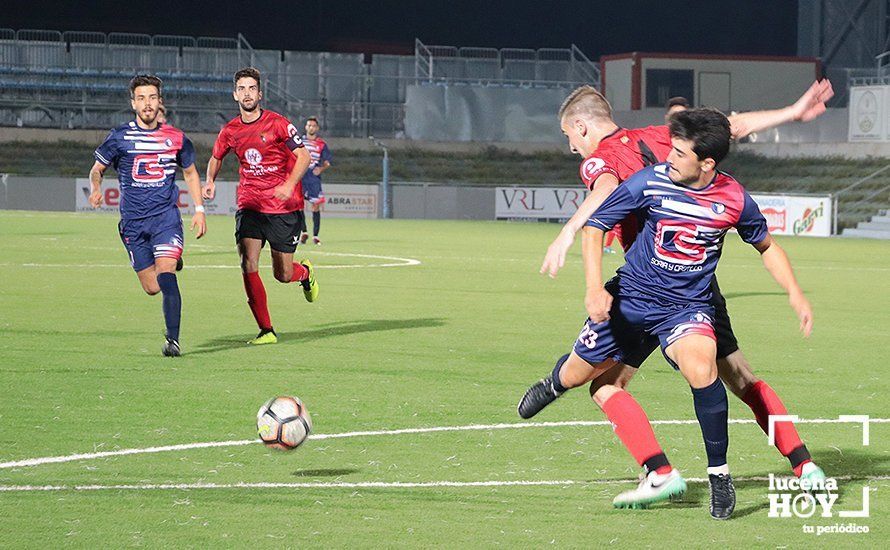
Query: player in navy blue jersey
{"x": 685, "y": 207}
{"x": 145, "y": 155}
{"x": 321, "y": 157}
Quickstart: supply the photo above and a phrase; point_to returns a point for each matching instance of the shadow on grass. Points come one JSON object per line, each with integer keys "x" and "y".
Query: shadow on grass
{"x": 320, "y": 332}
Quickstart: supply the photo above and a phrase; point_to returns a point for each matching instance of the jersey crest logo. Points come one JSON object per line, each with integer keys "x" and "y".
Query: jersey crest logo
{"x": 592, "y": 166}
{"x": 253, "y": 157}
{"x": 718, "y": 208}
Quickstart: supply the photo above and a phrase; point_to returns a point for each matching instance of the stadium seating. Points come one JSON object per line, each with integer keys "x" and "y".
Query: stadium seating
{"x": 78, "y": 79}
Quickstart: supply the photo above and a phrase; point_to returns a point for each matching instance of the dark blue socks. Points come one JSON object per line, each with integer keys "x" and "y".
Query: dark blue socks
{"x": 316, "y": 223}
{"x": 557, "y": 385}
{"x": 172, "y": 303}
{"x": 712, "y": 410}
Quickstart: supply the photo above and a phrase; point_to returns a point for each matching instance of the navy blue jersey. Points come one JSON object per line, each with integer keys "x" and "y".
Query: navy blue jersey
{"x": 319, "y": 152}
{"x": 145, "y": 161}
{"x": 675, "y": 256}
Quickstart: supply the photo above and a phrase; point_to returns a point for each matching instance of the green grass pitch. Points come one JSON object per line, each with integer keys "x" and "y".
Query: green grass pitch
{"x": 452, "y": 341}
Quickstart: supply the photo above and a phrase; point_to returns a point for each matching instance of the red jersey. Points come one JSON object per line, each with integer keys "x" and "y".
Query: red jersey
{"x": 623, "y": 153}
{"x": 265, "y": 151}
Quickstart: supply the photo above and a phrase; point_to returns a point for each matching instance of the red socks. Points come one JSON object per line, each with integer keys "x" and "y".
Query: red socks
{"x": 256, "y": 299}
{"x": 633, "y": 429}
{"x": 300, "y": 273}
{"x": 764, "y": 402}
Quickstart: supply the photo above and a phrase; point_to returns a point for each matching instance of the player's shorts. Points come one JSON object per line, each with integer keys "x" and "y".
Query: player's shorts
{"x": 637, "y": 324}
{"x": 158, "y": 236}
{"x": 282, "y": 231}
{"x": 726, "y": 340}
{"x": 312, "y": 191}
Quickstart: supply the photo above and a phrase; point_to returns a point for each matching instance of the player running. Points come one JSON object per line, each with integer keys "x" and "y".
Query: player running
{"x": 270, "y": 199}
{"x": 611, "y": 155}
{"x": 321, "y": 157}
{"x": 145, "y": 154}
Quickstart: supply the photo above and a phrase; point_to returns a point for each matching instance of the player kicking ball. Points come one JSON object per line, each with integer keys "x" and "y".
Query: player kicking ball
{"x": 270, "y": 198}
{"x": 145, "y": 155}
{"x": 685, "y": 208}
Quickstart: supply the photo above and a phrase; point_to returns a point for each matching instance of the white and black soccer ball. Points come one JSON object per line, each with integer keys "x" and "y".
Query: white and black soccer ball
{"x": 283, "y": 423}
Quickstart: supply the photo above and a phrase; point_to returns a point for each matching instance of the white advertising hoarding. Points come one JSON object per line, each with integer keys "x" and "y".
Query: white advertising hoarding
{"x": 537, "y": 203}
{"x": 343, "y": 200}
{"x": 805, "y": 215}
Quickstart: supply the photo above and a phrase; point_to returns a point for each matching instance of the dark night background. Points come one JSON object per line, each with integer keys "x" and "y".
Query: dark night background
{"x": 750, "y": 27}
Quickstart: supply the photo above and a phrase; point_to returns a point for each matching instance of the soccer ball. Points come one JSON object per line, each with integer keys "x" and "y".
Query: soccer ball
{"x": 283, "y": 423}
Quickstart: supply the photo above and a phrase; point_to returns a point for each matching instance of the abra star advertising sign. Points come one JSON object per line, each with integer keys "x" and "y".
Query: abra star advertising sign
{"x": 342, "y": 200}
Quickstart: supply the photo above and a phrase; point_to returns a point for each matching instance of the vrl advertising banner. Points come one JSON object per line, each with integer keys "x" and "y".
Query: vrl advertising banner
{"x": 809, "y": 216}
{"x": 530, "y": 203}
{"x": 343, "y": 200}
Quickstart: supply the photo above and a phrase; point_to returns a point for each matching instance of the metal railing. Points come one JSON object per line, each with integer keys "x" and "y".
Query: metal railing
{"x": 547, "y": 67}
{"x": 851, "y": 207}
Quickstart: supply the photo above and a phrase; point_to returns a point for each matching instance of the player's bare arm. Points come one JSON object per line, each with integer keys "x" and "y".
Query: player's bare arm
{"x": 776, "y": 262}
{"x": 209, "y": 189}
{"x": 193, "y": 181}
{"x": 319, "y": 170}
{"x": 286, "y": 190}
{"x": 555, "y": 258}
{"x": 597, "y": 300}
{"x": 96, "y": 173}
{"x": 810, "y": 105}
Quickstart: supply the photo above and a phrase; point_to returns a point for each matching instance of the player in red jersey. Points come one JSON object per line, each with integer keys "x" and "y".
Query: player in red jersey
{"x": 611, "y": 155}
{"x": 270, "y": 198}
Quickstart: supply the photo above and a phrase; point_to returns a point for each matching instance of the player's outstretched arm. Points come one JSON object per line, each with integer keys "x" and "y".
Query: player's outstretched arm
{"x": 209, "y": 189}
{"x": 810, "y": 105}
{"x": 96, "y": 173}
{"x": 555, "y": 258}
{"x": 193, "y": 181}
{"x": 597, "y": 300}
{"x": 776, "y": 262}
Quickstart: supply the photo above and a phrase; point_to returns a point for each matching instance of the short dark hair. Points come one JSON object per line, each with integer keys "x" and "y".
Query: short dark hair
{"x": 313, "y": 119}
{"x": 707, "y": 129}
{"x": 247, "y": 72}
{"x": 678, "y": 101}
{"x": 144, "y": 80}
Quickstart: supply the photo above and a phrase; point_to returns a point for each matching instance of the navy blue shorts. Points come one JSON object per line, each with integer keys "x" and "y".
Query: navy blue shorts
{"x": 636, "y": 326}
{"x": 158, "y": 236}
{"x": 312, "y": 190}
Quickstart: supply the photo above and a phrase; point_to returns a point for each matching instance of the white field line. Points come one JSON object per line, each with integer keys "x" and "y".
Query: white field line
{"x": 434, "y": 429}
{"x": 362, "y": 484}
{"x": 389, "y": 261}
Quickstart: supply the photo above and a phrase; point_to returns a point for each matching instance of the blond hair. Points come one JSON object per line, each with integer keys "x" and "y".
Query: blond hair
{"x": 586, "y": 102}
